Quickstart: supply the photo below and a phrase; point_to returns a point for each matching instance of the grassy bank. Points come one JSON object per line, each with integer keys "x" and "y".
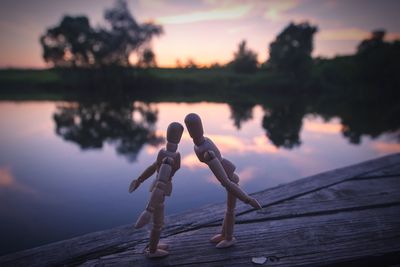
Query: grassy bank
{"x": 142, "y": 83}
{"x": 332, "y": 80}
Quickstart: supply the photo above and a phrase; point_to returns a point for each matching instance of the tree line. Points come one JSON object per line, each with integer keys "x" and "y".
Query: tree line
{"x": 75, "y": 43}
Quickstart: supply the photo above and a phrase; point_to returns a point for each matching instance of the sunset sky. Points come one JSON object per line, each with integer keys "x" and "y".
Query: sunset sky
{"x": 206, "y": 31}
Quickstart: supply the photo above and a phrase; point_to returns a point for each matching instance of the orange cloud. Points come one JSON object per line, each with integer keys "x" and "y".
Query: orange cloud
{"x": 192, "y": 162}
{"x": 232, "y": 144}
{"x": 151, "y": 150}
{"x": 392, "y": 36}
{"x": 321, "y": 127}
{"x": 7, "y": 180}
{"x": 386, "y": 148}
{"x": 246, "y": 175}
{"x": 262, "y": 145}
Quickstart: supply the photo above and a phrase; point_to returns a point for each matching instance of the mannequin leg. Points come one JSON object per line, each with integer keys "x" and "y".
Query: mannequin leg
{"x": 228, "y": 224}
{"x": 226, "y": 239}
{"x": 155, "y": 250}
{"x": 221, "y": 236}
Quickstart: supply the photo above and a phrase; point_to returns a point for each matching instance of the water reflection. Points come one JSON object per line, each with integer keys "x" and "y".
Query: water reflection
{"x": 372, "y": 119}
{"x": 127, "y": 125}
{"x": 363, "y": 112}
{"x": 8, "y": 182}
{"x": 241, "y": 112}
{"x": 283, "y": 123}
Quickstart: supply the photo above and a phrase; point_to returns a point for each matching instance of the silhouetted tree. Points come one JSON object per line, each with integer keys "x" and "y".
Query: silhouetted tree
{"x": 70, "y": 43}
{"x": 215, "y": 65}
{"x": 178, "y": 64}
{"x": 90, "y": 125}
{"x": 374, "y": 42}
{"x": 191, "y": 64}
{"x": 245, "y": 60}
{"x": 147, "y": 59}
{"x": 378, "y": 60}
{"x": 126, "y": 34}
{"x": 291, "y": 50}
{"x": 75, "y": 43}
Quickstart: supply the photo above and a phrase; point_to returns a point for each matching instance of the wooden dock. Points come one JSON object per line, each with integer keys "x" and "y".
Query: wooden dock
{"x": 348, "y": 216}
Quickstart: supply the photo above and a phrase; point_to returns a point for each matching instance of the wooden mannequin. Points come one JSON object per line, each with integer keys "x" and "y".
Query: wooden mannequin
{"x": 208, "y": 153}
{"x": 167, "y": 163}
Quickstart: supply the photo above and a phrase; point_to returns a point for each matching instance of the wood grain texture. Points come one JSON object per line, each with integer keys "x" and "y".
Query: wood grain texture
{"x": 299, "y": 241}
{"x": 388, "y": 171}
{"x": 345, "y": 215}
{"x": 346, "y": 196}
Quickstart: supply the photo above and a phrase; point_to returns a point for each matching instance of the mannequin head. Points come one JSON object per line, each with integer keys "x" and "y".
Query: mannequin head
{"x": 174, "y": 134}
{"x": 195, "y": 128}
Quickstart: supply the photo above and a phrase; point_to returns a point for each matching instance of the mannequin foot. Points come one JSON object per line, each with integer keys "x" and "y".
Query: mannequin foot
{"x": 217, "y": 238}
{"x": 159, "y": 253}
{"x": 226, "y": 243}
{"x": 162, "y": 246}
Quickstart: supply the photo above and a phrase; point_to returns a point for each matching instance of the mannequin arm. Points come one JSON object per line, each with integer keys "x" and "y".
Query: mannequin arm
{"x": 146, "y": 174}
{"x": 157, "y": 195}
{"x": 216, "y": 167}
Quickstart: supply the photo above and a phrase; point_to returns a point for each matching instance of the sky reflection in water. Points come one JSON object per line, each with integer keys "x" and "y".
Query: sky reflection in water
{"x": 51, "y": 189}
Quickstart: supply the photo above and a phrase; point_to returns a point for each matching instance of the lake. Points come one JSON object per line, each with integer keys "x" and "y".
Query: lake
{"x": 65, "y": 167}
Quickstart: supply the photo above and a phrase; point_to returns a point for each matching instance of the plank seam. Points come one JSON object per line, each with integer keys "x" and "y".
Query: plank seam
{"x": 320, "y": 213}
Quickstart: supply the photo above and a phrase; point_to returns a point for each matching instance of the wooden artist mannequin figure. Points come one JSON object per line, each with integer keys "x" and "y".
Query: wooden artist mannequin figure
{"x": 167, "y": 163}
{"x": 208, "y": 153}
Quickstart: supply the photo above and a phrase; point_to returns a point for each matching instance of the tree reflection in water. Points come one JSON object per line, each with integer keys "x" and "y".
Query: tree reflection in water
{"x": 241, "y": 112}
{"x": 129, "y": 125}
{"x": 126, "y": 125}
{"x": 372, "y": 118}
{"x": 283, "y": 124}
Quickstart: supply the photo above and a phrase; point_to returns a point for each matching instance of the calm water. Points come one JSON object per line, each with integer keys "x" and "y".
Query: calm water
{"x": 65, "y": 168}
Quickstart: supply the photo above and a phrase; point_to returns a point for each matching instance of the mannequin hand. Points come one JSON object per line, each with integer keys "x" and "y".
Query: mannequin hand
{"x": 135, "y": 184}
{"x": 254, "y": 203}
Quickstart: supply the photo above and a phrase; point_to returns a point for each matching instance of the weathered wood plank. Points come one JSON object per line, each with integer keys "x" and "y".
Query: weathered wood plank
{"x": 323, "y": 180}
{"x": 214, "y": 213}
{"x": 109, "y": 242}
{"x": 299, "y": 241}
{"x": 83, "y": 247}
{"x": 346, "y": 196}
{"x": 393, "y": 170}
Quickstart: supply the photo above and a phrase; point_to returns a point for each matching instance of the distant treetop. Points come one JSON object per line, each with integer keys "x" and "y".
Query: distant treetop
{"x": 75, "y": 43}
{"x": 245, "y": 60}
{"x": 376, "y": 40}
{"x": 378, "y": 60}
{"x": 292, "y": 48}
